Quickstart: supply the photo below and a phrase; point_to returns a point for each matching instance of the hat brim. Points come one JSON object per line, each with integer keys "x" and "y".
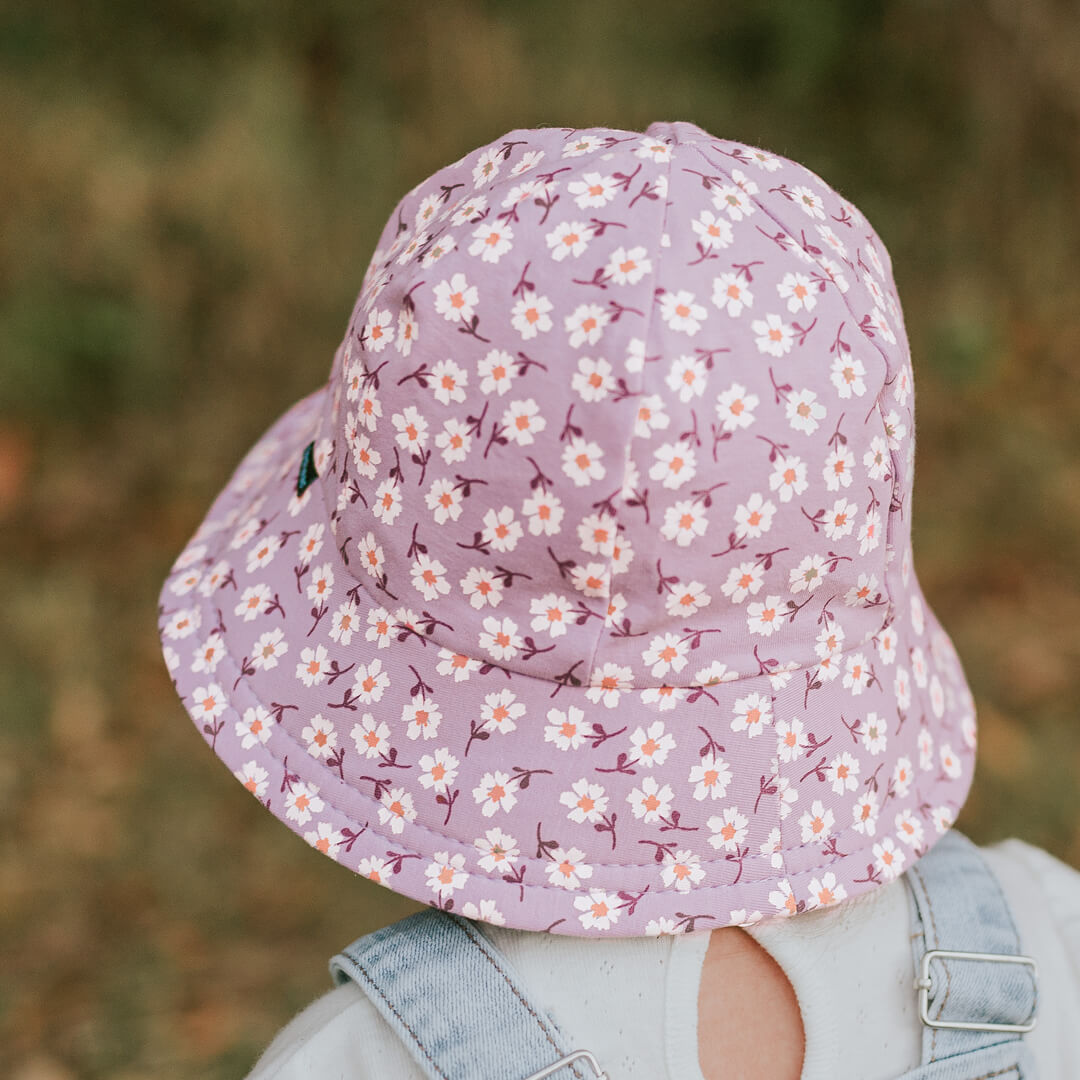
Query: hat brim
{"x": 434, "y": 846}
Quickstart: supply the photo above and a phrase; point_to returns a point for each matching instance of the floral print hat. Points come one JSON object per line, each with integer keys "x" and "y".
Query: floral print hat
{"x": 581, "y": 597}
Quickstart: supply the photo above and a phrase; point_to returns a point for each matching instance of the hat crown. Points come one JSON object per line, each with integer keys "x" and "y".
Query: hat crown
{"x": 627, "y": 409}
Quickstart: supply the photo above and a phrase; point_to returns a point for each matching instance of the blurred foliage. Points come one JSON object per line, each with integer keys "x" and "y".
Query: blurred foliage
{"x": 189, "y": 193}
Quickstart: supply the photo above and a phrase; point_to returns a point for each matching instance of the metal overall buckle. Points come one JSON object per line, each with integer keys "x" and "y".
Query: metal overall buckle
{"x": 577, "y": 1055}
{"x": 924, "y": 983}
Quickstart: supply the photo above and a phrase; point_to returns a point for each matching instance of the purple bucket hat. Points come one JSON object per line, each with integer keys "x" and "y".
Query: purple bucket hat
{"x": 581, "y": 599}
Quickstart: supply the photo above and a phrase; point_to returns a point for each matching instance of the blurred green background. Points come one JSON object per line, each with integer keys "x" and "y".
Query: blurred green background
{"x": 189, "y": 193}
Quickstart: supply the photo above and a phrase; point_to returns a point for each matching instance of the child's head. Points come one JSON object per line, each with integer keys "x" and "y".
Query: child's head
{"x": 581, "y": 596}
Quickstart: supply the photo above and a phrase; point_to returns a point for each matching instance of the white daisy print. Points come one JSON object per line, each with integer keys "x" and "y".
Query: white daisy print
{"x": 500, "y": 638}
{"x": 889, "y": 859}
{"x": 817, "y": 823}
{"x": 456, "y": 665}
{"x": 734, "y": 202}
{"x": 370, "y": 681}
{"x": 501, "y": 530}
{"x": 843, "y": 773}
{"x": 522, "y": 421}
{"x": 585, "y": 324}
{"x": 687, "y": 377}
{"x": 735, "y": 407}
{"x": 446, "y": 873}
{"x": 270, "y": 647}
{"x": 587, "y": 802}
{"x": 255, "y": 727}
{"x": 808, "y": 575}
{"x": 608, "y": 683}
{"x": 396, "y": 809}
{"x": 501, "y": 711}
{"x": 742, "y": 581}
{"x": 254, "y": 778}
{"x": 683, "y": 522}
{"x": 496, "y": 372}
{"x": 839, "y": 468}
{"x": 421, "y": 717}
{"x": 680, "y": 312}
{"x": 456, "y": 299}
{"x": 371, "y": 736}
{"x": 530, "y": 315}
{"x": 824, "y": 891}
{"x": 804, "y": 411}
{"x": 788, "y": 734}
{"x": 567, "y": 730}
{"x": 498, "y": 850}
{"x": 809, "y": 201}
{"x": 686, "y": 600}
{"x": 788, "y": 477}
{"x": 311, "y": 670}
{"x": 544, "y": 513}
{"x": 682, "y": 869}
{"x": 864, "y": 814}
{"x": 552, "y": 614}
{"x": 320, "y": 736}
{"x": 581, "y": 461}
{"x": 651, "y": 747}
{"x": 774, "y": 336}
{"x": 495, "y": 792}
{"x": 651, "y": 416}
{"x": 753, "y": 518}
{"x": 444, "y": 499}
{"x": 840, "y": 520}
{"x": 379, "y": 330}
{"x": 651, "y": 801}
{"x": 764, "y": 617}
{"x": 713, "y": 231}
{"x": 582, "y": 144}
{"x": 798, "y": 291}
{"x": 728, "y": 828}
{"x": 569, "y": 238}
{"x": 847, "y": 375}
{"x": 875, "y": 734}
{"x": 593, "y": 379}
{"x": 453, "y": 442}
{"x": 429, "y": 577}
{"x": 752, "y": 714}
{"x": 710, "y": 777}
{"x": 675, "y": 464}
{"x": 448, "y": 382}
{"x": 593, "y": 190}
{"x": 730, "y": 295}
{"x": 301, "y": 801}
{"x": 567, "y": 868}
{"x": 491, "y": 242}
{"x": 628, "y": 266}
{"x": 387, "y": 502}
{"x": 599, "y": 910}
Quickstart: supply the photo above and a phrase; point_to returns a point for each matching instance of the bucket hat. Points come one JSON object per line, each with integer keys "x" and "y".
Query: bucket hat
{"x": 580, "y": 598}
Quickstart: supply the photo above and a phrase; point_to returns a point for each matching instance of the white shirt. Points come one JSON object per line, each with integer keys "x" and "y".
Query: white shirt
{"x": 633, "y": 1001}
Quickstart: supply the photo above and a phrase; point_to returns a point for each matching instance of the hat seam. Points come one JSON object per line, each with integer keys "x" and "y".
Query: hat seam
{"x": 787, "y": 772}
{"x": 376, "y": 602}
{"x": 851, "y": 311}
{"x": 628, "y": 442}
{"x": 445, "y": 838}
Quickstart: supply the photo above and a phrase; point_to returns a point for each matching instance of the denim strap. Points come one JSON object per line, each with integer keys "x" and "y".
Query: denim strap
{"x": 957, "y": 904}
{"x": 454, "y": 1000}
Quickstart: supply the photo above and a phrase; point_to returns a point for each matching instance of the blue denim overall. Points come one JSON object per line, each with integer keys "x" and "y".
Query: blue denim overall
{"x": 465, "y": 1014}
